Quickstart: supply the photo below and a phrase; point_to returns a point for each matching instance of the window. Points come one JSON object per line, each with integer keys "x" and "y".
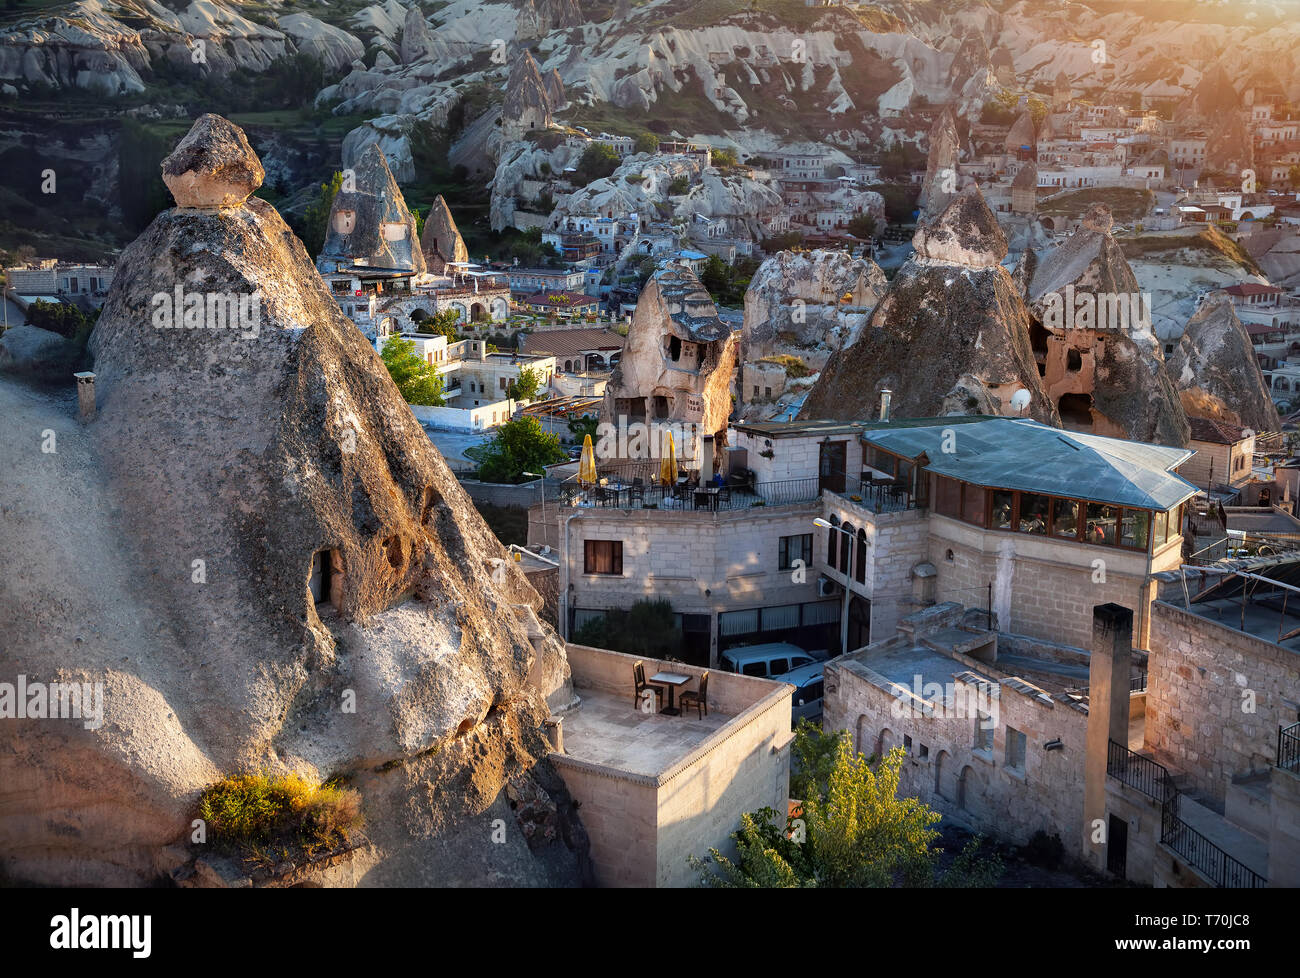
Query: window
{"x": 1134, "y": 527}
{"x": 832, "y": 536}
{"x": 1033, "y": 513}
{"x": 777, "y": 666}
{"x": 860, "y": 558}
{"x": 1161, "y": 530}
{"x": 974, "y": 499}
{"x": 1003, "y": 501}
{"x": 1101, "y": 523}
{"x": 503, "y": 383}
{"x": 1015, "y": 752}
{"x": 1065, "y": 518}
{"x": 603, "y": 556}
{"x": 983, "y": 732}
{"x": 790, "y": 549}
{"x": 925, "y": 751}
{"x": 844, "y": 549}
{"x": 907, "y": 743}
{"x": 754, "y": 669}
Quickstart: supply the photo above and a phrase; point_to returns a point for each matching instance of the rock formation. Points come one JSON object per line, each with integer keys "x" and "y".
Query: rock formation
{"x": 527, "y": 105}
{"x": 1100, "y": 361}
{"x": 441, "y": 241}
{"x": 213, "y": 167}
{"x": 815, "y": 299}
{"x": 1216, "y": 373}
{"x": 555, "y": 89}
{"x": 1020, "y": 137}
{"x": 286, "y": 576}
{"x": 391, "y": 133}
{"x": 417, "y": 42}
{"x": 370, "y": 221}
{"x": 941, "y": 183}
{"x": 950, "y": 336}
{"x": 677, "y": 365}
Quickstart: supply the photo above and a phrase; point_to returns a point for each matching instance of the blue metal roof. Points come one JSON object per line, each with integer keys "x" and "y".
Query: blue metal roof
{"x": 1016, "y": 453}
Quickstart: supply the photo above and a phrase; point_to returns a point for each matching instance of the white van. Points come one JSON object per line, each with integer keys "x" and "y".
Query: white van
{"x": 806, "y": 703}
{"x": 765, "y": 661}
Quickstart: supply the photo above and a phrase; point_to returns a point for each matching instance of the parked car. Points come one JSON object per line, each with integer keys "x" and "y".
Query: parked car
{"x": 765, "y": 661}
{"x": 806, "y": 703}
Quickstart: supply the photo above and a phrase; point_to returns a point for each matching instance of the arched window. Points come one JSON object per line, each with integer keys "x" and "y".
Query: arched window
{"x": 860, "y": 571}
{"x": 844, "y": 550}
{"x": 831, "y": 541}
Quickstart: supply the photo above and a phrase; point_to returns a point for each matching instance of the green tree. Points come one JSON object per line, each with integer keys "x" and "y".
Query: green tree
{"x": 853, "y": 831}
{"x": 723, "y": 159}
{"x": 647, "y": 142}
{"x": 417, "y": 381}
{"x": 317, "y": 215}
{"x": 63, "y": 318}
{"x": 445, "y": 323}
{"x": 140, "y": 152}
{"x": 1293, "y": 175}
{"x": 520, "y": 445}
{"x": 679, "y": 186}
{"x": 862, "y": 226}
{"x": 583, "y": 425}
{"x": 715, "y": 276}
{"x": 598, "y": 160}
{"x": 647, "y": 628}
{"x": 525, "y": 388}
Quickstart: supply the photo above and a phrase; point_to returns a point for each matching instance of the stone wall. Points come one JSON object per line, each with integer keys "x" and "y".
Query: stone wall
{"x": 1203, "y": 681}
{"x": 975, "y": 788}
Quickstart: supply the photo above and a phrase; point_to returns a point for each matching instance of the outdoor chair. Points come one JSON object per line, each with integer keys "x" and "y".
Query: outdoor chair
{"x": 637, "y": 491}
{"x": 638, "y": 678}
{"x": 700, "y": 699}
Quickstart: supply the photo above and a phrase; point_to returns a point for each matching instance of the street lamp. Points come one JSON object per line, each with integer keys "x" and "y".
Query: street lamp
{"x": 848, "y": 578}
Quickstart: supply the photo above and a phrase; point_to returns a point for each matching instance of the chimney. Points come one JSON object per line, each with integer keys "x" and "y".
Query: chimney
{"x": 885, "y": 396}
{"x": 1108, "y": 715}
{"x": 86, "y": 394}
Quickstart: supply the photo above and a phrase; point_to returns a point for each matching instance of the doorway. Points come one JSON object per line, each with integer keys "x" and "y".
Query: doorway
{"x": 833, "y": 462}
{"x": 1117, "y": 846}
{"x": 859, "y": 623}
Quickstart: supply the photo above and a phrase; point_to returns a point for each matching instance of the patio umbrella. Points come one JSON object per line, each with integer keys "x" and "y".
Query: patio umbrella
{"x": 668, "y": 467}
{"x": 587, "y": 465}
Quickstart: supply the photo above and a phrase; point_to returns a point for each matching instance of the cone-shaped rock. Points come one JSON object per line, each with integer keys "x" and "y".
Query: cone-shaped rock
{"x": 1102, "y": 364}
{"x": 950, "y": 336}
{"x": 441, "y": 241}
{"x": 940, "y": 185}
{"x": 369, "y": 220}
{"x": 285, "y": 576}
{"x": 1216, "y": 373}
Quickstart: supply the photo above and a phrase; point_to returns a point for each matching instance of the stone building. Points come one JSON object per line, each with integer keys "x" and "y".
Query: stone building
{"x": 1024, "y": 190}
{"x": 676, "y": 367}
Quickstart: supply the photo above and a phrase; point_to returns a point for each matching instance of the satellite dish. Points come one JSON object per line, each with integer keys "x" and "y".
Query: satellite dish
{"x": 1020, "y": 400}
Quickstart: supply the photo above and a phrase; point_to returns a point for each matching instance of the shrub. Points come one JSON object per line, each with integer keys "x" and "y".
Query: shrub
{"x": 1044, "y": 850}
{"x": 259, "y": 809}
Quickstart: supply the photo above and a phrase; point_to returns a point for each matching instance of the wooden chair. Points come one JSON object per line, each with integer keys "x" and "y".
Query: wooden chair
{"x": 638, "y": 678}
{"x": 637, "y": 491}
{"x": 700, "y": 699}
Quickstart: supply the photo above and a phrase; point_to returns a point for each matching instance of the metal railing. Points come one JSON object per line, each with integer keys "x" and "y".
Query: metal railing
{"x": 1202, "y": 854}
{"x": 687, "y": 497}
{"x": 1288, "y": 747}
{"x": 1139, "y": 772}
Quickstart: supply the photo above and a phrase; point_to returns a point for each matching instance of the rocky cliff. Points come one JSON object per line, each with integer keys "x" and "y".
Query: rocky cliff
{"x": 369, "y": 220}
{"x": 950, "y": 336}
{"x": 226, "y": 468}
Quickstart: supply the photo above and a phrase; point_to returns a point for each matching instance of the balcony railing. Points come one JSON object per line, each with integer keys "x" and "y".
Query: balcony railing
{"x": 1288, "y": 748}
{"x": 1139, "y": 772}
{"x": 624, "y": 495}
{"x": 1198, "y": 851}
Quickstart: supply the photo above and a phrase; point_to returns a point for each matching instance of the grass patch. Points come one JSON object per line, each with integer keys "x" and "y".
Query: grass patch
{"x": 1184, "y": 249}
{"x": 1126, "y": 205}
{"x": 794, "y": 366}
{"x": 259, "y": 813}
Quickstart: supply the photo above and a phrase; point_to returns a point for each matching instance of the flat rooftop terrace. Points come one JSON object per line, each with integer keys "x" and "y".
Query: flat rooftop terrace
{"x": 608, "y": 729}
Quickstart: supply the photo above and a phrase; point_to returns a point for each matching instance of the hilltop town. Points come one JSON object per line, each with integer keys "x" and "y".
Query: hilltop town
{"x": 515, "y": 438}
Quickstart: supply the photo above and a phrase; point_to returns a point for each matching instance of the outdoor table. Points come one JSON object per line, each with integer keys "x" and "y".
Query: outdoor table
{"x": 672, "y": 680}
{"x": 709, "y": 497}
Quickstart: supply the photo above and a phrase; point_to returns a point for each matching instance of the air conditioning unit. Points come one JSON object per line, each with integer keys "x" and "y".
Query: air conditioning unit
{"x": 827, "y": 588}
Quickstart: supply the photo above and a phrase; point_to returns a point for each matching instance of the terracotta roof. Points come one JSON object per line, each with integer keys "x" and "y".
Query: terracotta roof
{"x": 1252, "y": 288}
{"x": 571, "y": 342}
{"x": 1216, "y": 432}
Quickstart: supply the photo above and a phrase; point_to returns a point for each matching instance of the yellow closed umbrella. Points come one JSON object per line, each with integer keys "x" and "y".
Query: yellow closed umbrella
{"x": 587, "y": 465}
{"x": 668, "y": 467}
